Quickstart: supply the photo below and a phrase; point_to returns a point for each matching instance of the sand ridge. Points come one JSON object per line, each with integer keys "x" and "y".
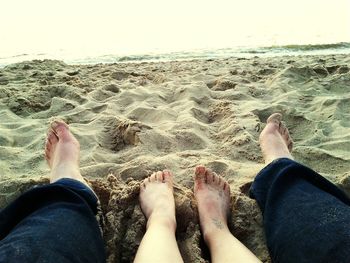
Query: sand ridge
{"x": 135, "y": 118}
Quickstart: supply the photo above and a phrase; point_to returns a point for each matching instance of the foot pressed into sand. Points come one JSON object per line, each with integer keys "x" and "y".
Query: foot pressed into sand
{"x": 157, "y": 199}
{"x": 62, "y": 153}
{"x": 212, "y": 193}
{"x": 158, "y": 204}
{"x": 275, "y": 141}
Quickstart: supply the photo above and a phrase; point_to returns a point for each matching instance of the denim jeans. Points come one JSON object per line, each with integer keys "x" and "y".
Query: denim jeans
{"x": 306, "y": 218}
{"x": 52, "y": 223}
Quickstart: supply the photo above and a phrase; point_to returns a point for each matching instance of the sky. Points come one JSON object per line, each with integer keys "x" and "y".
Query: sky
{"x": 139, "y": 26}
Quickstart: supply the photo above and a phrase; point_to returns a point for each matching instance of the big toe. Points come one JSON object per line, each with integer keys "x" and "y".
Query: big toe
{"x": 201, "y": 178}
{"x": 61, "y": 129}
{"x": 167, "y": 176}
{"x": 275, "y": 118}
{"x": 200, "y": 173}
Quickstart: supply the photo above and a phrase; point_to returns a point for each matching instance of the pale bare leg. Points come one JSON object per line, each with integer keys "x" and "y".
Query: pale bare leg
{"x": 62, "y": 153}
{"x": 275, "y": 141}
{"x": 158, "y": 205}
{"x": 212, "y": 193}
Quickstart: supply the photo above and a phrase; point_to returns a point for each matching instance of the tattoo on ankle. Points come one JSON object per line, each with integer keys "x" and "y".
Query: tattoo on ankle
{"x": 217, "y": 223}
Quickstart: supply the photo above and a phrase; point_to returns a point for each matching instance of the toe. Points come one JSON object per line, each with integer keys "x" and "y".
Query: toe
{"x": 168, "y": 177}
{"x": 200, "y": 170}
{"x": 59, "y": 127}
{"x": 221, "y": 182}
{"x": 199, "y": 178}
{"x": 286, "y": 133}
{"x": 275, "y": 118}
{"x": 282, "y": 130}
{"x": 209, "y": 176}
{"x": 287, "y": 136}
{"x": 145, "y": 182}
{"x": 152, "y": 178}
{"x": 216, "y": 178}
{"x": 51, "y": 137}
{"x": 200, "y": 173}
{"x": 159, "y": 176}
{"x": 227, "y": 188}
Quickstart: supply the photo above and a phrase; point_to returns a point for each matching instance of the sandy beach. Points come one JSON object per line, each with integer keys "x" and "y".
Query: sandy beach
{"x": 135, "y": 118}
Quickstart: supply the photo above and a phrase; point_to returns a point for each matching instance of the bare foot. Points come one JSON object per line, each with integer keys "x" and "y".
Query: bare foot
{"x": 212, "y": 193}
{"x": 157, "y": 199}
{"x": 275, "y": 141}
{"x": 62, "y": 153}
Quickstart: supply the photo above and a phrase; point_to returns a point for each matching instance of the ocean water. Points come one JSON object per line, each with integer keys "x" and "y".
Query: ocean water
{"x": 241, "y": 51}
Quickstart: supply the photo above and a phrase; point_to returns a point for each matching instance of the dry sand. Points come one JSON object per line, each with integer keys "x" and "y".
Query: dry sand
{"x": 132, "y": 119}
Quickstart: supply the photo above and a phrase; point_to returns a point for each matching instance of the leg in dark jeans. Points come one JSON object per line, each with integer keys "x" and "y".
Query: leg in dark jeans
{"x": 306, "y": 218}
{"x": 53, "y": 223}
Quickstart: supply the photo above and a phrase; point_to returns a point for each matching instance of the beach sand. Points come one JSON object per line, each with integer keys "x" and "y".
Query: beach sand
{"x": 133, "y": 119}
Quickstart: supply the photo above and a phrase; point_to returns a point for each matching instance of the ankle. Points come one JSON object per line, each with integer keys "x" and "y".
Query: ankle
{"x": 162, "y": 220}
{"x": 270, "y": 159}
{"x": 63, "y": 171}
{"x": 214, "y": 235}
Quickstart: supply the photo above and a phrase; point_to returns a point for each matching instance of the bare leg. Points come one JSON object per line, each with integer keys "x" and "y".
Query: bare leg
{"x": 213, "y": 196}
{"x": 158, "y": 205}
{"x": 275, "y": 141}
{"x": 62, "y": 153}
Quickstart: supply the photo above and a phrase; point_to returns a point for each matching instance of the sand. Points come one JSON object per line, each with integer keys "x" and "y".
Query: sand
{"x": 133, "y": 119}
